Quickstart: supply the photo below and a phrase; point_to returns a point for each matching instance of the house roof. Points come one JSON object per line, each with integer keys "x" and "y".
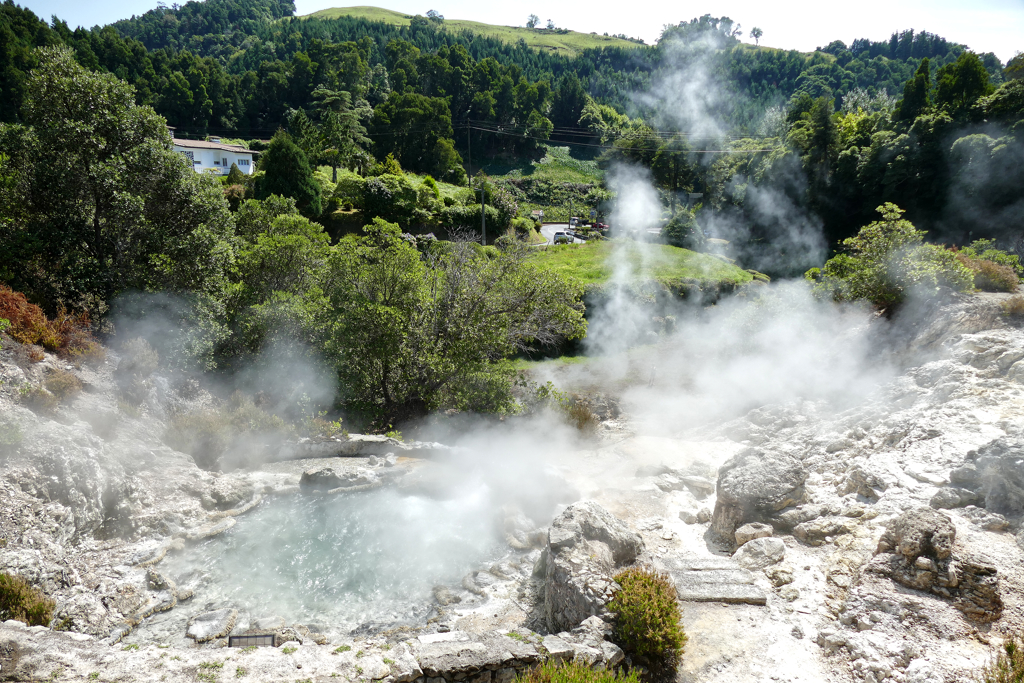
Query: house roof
{"x": 202, "y": 144}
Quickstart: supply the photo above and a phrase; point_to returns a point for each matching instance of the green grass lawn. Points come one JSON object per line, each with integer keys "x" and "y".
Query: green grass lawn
{"x": 591, "y": 264}
{"x": 568, "y": 44}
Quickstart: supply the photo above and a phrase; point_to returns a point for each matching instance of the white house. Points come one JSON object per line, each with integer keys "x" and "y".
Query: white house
{"x": 216, "y": 155}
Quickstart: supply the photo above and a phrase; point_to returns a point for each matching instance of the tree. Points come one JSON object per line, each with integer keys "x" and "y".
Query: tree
{"x": 106, "y": 206}
{"x": 756, "y": 34}
{"x": 417, "y": 130}
{"x": 961, "y": 84}
{"x": 532, "y": 21}
{"x": 342, "y": 134}
{"x": 569, "y": 101}
{"x": 551, "y": 25}
{"x": 413, "y": 334}
{"x": 916, "y": 93}
{"x": 435, "y": 16}
{"x": 287, "y": 173}
{"x": 1015, "y": 67}
{"x": 235, "y": 175}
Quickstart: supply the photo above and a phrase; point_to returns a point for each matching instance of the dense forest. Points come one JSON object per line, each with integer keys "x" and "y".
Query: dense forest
{"x": 783, "y": 154}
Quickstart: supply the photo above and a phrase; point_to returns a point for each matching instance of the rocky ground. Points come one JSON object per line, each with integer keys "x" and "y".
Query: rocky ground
{"x": 873, "y": 544}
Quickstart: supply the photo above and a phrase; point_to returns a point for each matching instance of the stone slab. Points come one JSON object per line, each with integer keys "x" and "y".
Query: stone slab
{"x": 733, "y": 593}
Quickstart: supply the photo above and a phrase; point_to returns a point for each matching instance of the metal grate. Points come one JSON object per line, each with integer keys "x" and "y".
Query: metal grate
{"x": 262, "y": 640}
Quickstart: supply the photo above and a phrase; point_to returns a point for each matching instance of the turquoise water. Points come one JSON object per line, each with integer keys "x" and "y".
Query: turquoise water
{"x": 345, "y": 561}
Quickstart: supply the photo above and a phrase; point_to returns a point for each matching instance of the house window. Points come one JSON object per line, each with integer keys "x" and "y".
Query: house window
{"x": 190, "y": 156}
{"x": 243, "y": 162}
{"x": 216, "y": 162}
{"x": 224, "y": 162}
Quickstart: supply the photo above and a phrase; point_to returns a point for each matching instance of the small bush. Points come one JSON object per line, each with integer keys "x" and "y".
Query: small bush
{"x": 989, "y": 276}
{"x": 1014, "y": 307}
{"x": 68, "y": 334}
{"x": 63, "y": 384}
{"x": 20, "y": 601}
{"x": 647, "y": 618}
{"x": 986, "y": 251}
{"x": 38, "y": 399}
{"x": 573, "y": 672}
{"x": 1008, "y": 666}
{"x": 229, "y": 435}
{"x": 887, "y": 260}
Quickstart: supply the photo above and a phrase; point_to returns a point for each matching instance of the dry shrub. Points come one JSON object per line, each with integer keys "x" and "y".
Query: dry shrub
{"x": 1008, "y": 666}
{"x": 68, "y": 333}
{"x": 39, "y": 399}
{"x": 579, "y": 415}
{"x": 19, "y": 600}
{"x": 648, "y": 619}
{"x": 573, "y": 672}
{"x": 990, "y": 276}
{"x": 1014, "y": 307}
{"x": 232, "y": 435}
{"x": 63, "y": 384}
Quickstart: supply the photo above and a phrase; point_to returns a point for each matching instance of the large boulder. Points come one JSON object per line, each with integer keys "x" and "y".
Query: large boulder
{"x": 586, "y": 547}
{"x": 918, "y": 550}
{"x": 753, "y": 485}
{"x": 1000, "y": 468}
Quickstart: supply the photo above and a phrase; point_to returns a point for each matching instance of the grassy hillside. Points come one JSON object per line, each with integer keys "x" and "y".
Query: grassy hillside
{"x": 567, "y": 44}
{"x": 590, "y": 263}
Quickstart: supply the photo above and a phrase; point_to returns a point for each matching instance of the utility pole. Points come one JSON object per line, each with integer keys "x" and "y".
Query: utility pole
{"x": 483, "y": 219}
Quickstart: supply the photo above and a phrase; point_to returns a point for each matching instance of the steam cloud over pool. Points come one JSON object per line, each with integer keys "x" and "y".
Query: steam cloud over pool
{"x": 343, "y": 561}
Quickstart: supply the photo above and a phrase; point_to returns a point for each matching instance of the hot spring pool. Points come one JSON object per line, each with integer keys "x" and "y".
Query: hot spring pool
{"x": 340, "y": 562}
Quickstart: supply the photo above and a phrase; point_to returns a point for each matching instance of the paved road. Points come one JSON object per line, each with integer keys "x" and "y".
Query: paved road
{"x": 548, "y": 231}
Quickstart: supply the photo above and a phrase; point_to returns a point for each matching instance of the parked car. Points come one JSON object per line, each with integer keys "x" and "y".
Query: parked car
{"x": 562, "y": 238}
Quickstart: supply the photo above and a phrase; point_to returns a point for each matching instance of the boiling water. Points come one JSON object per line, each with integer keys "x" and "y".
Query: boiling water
{"x": 366, "y": 559}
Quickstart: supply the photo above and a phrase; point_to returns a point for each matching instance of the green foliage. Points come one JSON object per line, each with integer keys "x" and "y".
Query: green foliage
{"x": 235, "y": 176}
{"x": 112, "y": 208}
{"x": 289, "y": 174}
{"x": 410, "y": 334}
{"x": 887, "y": 260}
{"x": 591, "y": 264}
{"x": 986, "y": 250}
{"x": 20, "y": 601}
{"x": 647, "y": 617}
{"x": 683, "y": 231}
{"x": 392, "y": 198}
{"x": 1008, "y": 665}
{"x": 574, "y": 672}
{"x": 389, "y": 165}
{"x": 350, "y": 189}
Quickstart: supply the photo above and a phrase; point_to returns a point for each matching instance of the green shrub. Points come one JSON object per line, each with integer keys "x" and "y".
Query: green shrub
{"x": 647, "y": 618}
{"x": 20, "y": 601}
{"x": 63, "y": 384}
{"x": 349, "y": 189}
{"x": 887, "y": 260}
{"x": 986, "y": 251}
{"x": 1008, "y": 666}
{"x": 573, "y": 672}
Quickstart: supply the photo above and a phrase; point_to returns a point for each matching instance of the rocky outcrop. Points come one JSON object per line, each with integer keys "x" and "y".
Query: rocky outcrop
{"x": 752, "y": 485}
{"x": 586, "y": 547}
{"x": 917, "y": 551}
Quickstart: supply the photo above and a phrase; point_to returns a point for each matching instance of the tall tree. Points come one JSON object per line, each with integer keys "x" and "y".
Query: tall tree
{"x": 287, "y": 173}
{"x": 959, "y": 85}
{"x": 756, "y": 34}
{"x": 916, "y": 93}
{"x": 107, "y": 205}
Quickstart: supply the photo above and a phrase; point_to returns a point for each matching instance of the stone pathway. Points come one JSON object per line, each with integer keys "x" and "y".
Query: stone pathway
{"x": 713, "y": 579}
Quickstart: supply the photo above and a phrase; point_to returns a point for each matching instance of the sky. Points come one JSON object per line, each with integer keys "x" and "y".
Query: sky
{"x": 983, "y": 25}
